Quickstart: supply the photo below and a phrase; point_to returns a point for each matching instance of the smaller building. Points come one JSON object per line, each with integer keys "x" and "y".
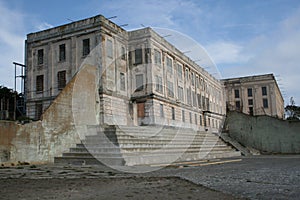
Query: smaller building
{"x": 254, "y": 95}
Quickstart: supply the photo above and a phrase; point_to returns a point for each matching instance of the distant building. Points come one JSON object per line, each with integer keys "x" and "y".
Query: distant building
{"x": 254, "y": 95}
{"x": 145, "y": 78}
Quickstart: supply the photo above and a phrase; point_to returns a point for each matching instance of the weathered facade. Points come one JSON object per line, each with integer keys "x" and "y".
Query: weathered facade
{"x": 255, "y": 95}
{"x": 143, "y": 79}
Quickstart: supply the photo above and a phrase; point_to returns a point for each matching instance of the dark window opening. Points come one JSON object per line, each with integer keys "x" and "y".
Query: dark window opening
{"x": 250, "y": 102}
{"x": 238, "y": 105}
{"x": 39, "y": 83}
{"x": 264, "y": 91}
{"x": 265, "y": 103}
{"x": 173, "y": 113}
{"x": 122, "y": 81}
{"x": 85, "y": 47}
{"x": 40, "y": 57}
{"x": 62, "y": 52}
{"x": 138, "y": 56}
{"x": 250, "y": 92}
{"x": 61, "y": 80}
{"x": 237, "y": 94}
{"x": 38, "y": 110}
{"x": 162, "y": 115}
{"x": 147, "y": 55}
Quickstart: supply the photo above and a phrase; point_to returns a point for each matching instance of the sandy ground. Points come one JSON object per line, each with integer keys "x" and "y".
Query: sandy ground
{"x": 106, "y": 188}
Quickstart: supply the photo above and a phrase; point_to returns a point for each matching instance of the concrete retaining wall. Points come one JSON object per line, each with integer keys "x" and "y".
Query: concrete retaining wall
{"x": 41, "y": 141}
{"x": 267, "y": 134}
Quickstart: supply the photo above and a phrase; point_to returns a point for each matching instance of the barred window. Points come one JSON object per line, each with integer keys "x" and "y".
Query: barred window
{"x": 170, "y": 89}
{"x": 85, "y": 47}
{"x": 179, "y": 71}
{"x": 169, "y": 65}
{"x": 62, "y": 52}
{"x": 39, "y": 83}
{"x": 157, "y": 57}
{"x": 139, "y": 82}
{"x": 138, "y": 56}
{"x": 159, "y": 86}
{"x": 61, "y": 80}
{"x": 40, "y": 59}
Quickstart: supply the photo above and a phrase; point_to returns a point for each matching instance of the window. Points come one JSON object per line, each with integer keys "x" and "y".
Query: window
{"x": 203, "y": 103}
{"x": 38, "y": 110}
{"x": 193, "y": 79}
{"x": 109, "y": 48}
{"x": 238, "y": 105}
{"x": 264, "y": 91}
{"x": 180, "y": 93}
{"x": 39, "y": 83}
{"x": 61, "y": 79}
{"x": 169, "y": 65}
{"x": 173, "y": 113}
{"x": 139, "y": 82}
{"x": 123, "y": 53}
{"x": 199, "y": 100}
{"x": 183, "y": 115}
{"x": 40, "y": 60}
{"x": 161, "y": 110}
{"x": 194, "y": 99}
{"x": 170, "y": 89}
{"x": 250, "y": 92}
{"x": 186, "y": 75}
{"x": 138, "y": 56}
{"x": 157, "y": 57}
{"x": 191, "y": 120}
{"x": 147, "y": 55}
{"x": 265, "y": 103}
{"x": 250, "y": 102}
{"x": 237, "y": 94}
{"x": 62, "y": 52}
{"x": 200, "y": 116}
{"x": 122, "y": 81}
{"x": 196, "y": 120}
{"x": 250, "y": 110}
{"x": 197, "y": 82}
{"x": 188, "y": 96}
{"x": 85, "y": 47}
{"x": 159, "y": 87}
{"x": 179, "y": 71}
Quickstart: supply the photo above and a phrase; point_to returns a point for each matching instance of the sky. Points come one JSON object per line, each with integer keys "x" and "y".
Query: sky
{"x": 242, "y": 37}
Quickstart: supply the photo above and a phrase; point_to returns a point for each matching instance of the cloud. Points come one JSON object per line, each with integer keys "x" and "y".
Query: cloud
{"x": 276, "y": 52}
{"x": 44, "y": 26}
{"x": 11, "y": 41}
{"x": 224, "y": 52}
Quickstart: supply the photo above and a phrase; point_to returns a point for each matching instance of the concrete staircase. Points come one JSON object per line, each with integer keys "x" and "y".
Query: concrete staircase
{"x": 144, "y": 145}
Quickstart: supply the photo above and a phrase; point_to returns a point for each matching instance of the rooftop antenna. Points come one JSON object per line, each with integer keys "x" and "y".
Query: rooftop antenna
{"x": 123, "y": 25}
{"x": 70, "y": 20}
{"x": 166, "y": 36}
{"x": 143, "y": 25}
{"x": 112, "y": 17}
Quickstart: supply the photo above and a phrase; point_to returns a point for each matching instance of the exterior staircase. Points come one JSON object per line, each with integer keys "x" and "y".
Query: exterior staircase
{"x": 145, "y": 145}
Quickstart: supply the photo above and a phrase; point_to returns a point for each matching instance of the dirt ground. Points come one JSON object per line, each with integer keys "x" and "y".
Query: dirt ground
{"x": 106, "y": 188}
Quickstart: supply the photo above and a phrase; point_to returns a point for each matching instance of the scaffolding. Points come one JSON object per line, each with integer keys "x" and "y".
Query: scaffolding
{"x": 20, "y": 103}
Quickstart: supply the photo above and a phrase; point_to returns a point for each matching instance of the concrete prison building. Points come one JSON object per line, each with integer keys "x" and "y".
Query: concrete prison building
{"x": 145, "y": 80}
{"x": 255, "y": 95}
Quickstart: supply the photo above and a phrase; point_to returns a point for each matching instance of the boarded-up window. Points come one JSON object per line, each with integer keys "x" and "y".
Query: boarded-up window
{"x": 141, "y": 110}
{"x": 85, "y": 47}
{"x": 40, "y": 59}
{"x": 61, "y": 80}
{"x": 39, "y": 83}
{"x": 62, "y": 52}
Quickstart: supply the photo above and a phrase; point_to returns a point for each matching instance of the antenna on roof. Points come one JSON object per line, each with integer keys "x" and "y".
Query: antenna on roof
{"x": 112, "y": 17}
{"x": 143, "y": 25}
{"x": 166, "y": 36}
{"x": 70, "y": 20}
{"x": 123, "y": 25}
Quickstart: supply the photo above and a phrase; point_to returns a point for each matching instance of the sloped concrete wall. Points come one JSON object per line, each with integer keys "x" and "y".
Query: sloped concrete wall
{"x": 41, "y": 141}
{"x": 264, "y": 133}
